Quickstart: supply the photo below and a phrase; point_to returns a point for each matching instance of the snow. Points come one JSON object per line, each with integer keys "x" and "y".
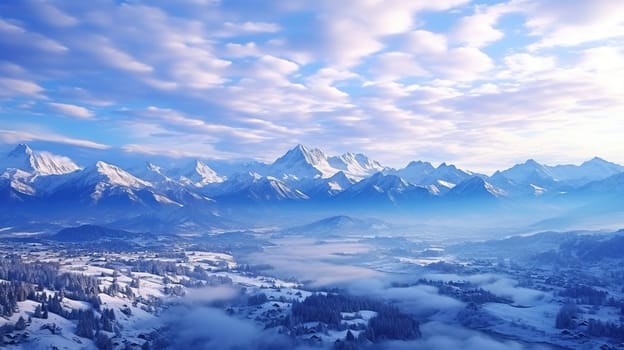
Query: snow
{"x": 22, "y": 187}
{"x": 38, "y": 163}
{"x": 162, "y": 199}
{"x": 415, "y": 172}
{"x": 538, "y": 190}
{"x": 199, "y": 174}
{"x": 301, "y": 162}
{"x": 42, "y": 338}
{"x": 540, "y": 316}
{"x": 355, "y": 166}
{"x": 117, "y": 176}
{"x": 446, "y": 184}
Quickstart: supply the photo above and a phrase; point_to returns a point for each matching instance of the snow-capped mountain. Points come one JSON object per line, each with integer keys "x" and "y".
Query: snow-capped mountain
{"x": 25, "y": 172}
{"x": 381, "y": 188}
{"x": 529, "y": 178}
{"x": 438, "y": 180}
{"x": 320, "y": 188}
{"x": 533, "y": 178}
{"x": 199, "y": 174}
{"x": 448, "y": 175}
{"x": 169, "y": 187}
{"x": 416, "y": 172}
{"x": 304, "y": 163}
{"x": 106, "y": 174}
{"x": 356, "y": 166}
{"x": 37, "y": 163}
{"x": 44, "y": 182}
{"x": 152, "y": 173}
{"x": 474, "y": 188}
{"x": 107, "y": 185}
{"x": 591, "y": 170}
{"x": 300, "y": 163}
{"x": 528, "y": 172}
{"x": 612, "y": 186}
{"x": 252, "y": 187}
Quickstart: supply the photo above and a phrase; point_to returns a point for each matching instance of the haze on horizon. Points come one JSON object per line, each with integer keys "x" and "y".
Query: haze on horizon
{"x": 481, "y": 84}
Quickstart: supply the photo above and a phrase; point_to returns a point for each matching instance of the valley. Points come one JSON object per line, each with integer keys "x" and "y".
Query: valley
{"x": 146, "y": 294}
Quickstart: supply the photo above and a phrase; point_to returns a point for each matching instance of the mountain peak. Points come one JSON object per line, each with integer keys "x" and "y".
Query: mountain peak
{"x": 447, "y": 166}
{"x": 355, "y": 165}
{"x": 40, "y": 163}
{"x": 532, "y": 162}
{"x": 301, "y": 162}
{"x": 414, "y": 163}
{"x": 311, "y": 155}
{"x": 21, "y": 150}
{"x": 115, "y": 175}
{"x": 200, "y": 174}
{"x": 597, "y": 161}
{"x": 300, "y": 147}
{"x": 475, "y": 187}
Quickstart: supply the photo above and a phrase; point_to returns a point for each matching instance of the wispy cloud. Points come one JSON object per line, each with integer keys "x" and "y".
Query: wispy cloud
{"x": 16, "y": 136}
{"x": 71, "y": 110}
{"x": 10, "y": 87}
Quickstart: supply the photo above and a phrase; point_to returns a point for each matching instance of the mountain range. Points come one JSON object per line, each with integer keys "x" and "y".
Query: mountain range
{"x": 37, "y": 183}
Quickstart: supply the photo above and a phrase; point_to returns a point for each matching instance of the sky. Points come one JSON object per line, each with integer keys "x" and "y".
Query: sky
{"x": 481, "y": 84}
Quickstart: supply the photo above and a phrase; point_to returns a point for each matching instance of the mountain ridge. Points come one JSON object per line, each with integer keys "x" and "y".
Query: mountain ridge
{"x": 301, "y": 176}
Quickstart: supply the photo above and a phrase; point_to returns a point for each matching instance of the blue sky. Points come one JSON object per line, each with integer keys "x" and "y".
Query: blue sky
{"x": 482, "y": 84}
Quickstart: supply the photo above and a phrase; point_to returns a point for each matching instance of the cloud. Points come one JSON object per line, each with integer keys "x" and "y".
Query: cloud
{"x": 499, "y": 285}
{"x": 14, "y": 37}
{"x": 250, "y": 27}
{"x": 436, "y": 335}
{"x": 102, "y": 49}
{"x": 419, "y": 300}
{"x": 193, "y": 323}
{"x": 12, "y": 87}
{"x": 432, "y": 52}
{"x": 71, "y": 110}
{"x": 204, "y": 327}
{"x": 396, "y": 65}
{"x": 242, "y": 50}
{"x": 15, "y": 136}
{"x": 53, "y": 15}
{"x": 570, "y": 24}
{"x": 318, "y": 264}
{"x": 479, "y": 29}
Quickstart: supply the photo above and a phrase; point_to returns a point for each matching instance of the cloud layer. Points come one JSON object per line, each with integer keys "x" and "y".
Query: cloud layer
{"x": 478, "y": 85}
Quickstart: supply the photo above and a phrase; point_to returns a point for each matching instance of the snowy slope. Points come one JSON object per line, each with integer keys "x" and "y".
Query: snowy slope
{"x": 529, "y": 178}
{"x": 416, "y": 172}
{"x": 108, "y": 184}
{"x": 613, "y": 185}
{"x": 356, "y": 166}
{"x": 381, "y": 188}
{"x": 591, "y": 170}
{"x": 256, "y": 188}
{"x": 320, "y": 188}
{"x": 475, "y": 188}
{"x": 199, "y": 174}
{"x": 300, "y": 163}
{"x": 39, "y": 163}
